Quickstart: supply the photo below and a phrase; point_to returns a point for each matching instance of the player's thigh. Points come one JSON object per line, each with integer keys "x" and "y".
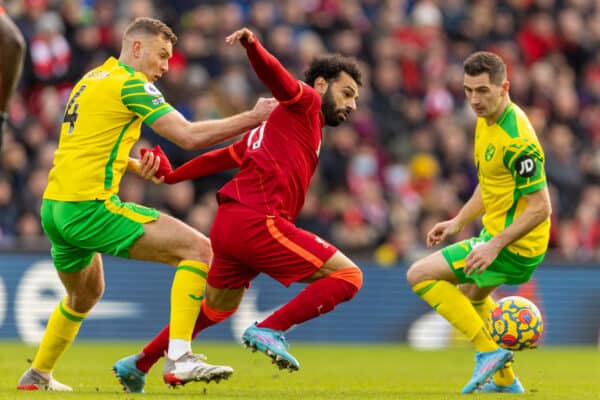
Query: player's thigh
{"x": 108, "y": 227}
{"x": 432, "y": 267}
{"x": 169, "y": 240}
{"x": 291, "y": 254}
{"x": 227, "y": 272}
{"x": 125, "y": 230}
{"x": 68, "y": 255}
{"x": 507, "y": 268}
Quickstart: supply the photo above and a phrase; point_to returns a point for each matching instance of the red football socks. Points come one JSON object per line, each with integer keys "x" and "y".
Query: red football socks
{"x": 318, "y": 298}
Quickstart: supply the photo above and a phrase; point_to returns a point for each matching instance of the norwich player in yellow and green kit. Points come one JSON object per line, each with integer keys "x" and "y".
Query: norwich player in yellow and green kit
{"x": 84, "y": 218}
{"x": 513, "y": 198}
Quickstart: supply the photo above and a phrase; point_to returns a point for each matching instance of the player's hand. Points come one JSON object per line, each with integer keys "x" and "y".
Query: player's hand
{"x": 150, "y": 163}
{"x": 137, "y": 166}
{"x": 441, "y": 231}
{"x": 481, "y": 257}
{"x": 164, "y": 167}
{"x": 263, "y": 108}
{"x": 239, "y": 35}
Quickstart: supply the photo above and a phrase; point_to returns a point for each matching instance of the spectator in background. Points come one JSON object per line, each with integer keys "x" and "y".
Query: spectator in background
{"x": 411, "y": 50}
{"x": 563, "y": 169}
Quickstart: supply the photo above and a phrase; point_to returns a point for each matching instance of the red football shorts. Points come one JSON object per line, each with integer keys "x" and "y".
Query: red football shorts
{"x": 246, "y": 243}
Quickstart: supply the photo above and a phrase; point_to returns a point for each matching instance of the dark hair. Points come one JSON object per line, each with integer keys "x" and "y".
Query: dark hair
{"x": 483, "y": 62}
{"x": 330, "y": 67}
{"x": 151, "y": 26}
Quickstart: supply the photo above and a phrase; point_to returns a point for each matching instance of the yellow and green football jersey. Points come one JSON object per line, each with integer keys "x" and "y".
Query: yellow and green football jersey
{"x": 510, "y": 164}
{"x": 102, "y": 122}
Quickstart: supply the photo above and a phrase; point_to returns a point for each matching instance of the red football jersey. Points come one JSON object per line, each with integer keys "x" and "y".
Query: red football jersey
{"x": 280, "y": 155}
{"x": 278, "y": 158}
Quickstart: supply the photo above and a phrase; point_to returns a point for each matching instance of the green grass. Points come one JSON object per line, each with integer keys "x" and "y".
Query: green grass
{"x": 328, "y": 372}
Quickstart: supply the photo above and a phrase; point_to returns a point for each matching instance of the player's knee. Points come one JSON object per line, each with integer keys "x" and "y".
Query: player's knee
{"x": 204, "y": 249}
{"x": 356, "y": 277}
{"x": 199, "y": 249}
{"x": 351, "y": 275}
{"x": 415, "y": 273}
{"x": 216, "y": 315}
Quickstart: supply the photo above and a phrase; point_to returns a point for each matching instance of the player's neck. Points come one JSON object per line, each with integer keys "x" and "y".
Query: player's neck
{"x": 127, "y": 60}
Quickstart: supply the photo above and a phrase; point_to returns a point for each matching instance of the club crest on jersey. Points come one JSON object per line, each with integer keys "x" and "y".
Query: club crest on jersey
{"x": 152, "y": 90}
{"x": 489, "y": 152}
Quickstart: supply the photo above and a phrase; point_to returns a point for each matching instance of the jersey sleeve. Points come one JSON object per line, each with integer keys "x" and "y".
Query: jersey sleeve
{"x": 209, "y": 163}
{"x": 144, "y": 99}
{"x": 284, "y": 87}
{"x": 525, "y": 161}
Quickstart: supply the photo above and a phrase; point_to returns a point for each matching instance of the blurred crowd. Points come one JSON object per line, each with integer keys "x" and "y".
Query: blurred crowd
{"x": 402, "y": 163}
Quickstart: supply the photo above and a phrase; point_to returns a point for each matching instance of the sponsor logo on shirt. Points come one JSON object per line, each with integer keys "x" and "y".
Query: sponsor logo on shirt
{"x": 152, "y": 90}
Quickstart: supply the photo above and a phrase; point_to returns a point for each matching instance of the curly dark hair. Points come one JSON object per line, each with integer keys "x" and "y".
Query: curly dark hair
{"x": 484, "y": 62}
{"x": 330, "y": 67}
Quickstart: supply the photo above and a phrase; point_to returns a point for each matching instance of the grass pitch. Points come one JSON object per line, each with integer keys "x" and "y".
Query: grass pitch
{"x": 327, "y": 372}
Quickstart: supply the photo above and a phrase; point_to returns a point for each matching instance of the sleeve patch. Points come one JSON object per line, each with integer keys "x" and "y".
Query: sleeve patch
{"x": 152, "y": 90}
{"x": 525, "y": 166}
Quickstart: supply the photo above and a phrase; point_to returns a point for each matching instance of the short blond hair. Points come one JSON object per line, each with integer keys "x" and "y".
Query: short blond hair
{"x": 151, "y": 26}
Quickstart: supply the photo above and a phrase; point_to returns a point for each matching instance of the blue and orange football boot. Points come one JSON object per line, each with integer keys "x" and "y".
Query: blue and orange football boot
{"x": 273, "y": 344}
{"x": 486, "y": 364}
{"x": 129, "y": 376}
{"x": 492, "y": 387}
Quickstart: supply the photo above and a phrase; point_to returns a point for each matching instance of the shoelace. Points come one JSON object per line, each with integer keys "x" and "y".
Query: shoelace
{"x": 38, "y": 378}
{"x": 195, "y": 357}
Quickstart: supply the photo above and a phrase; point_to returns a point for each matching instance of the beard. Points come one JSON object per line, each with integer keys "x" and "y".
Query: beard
{"x": 330, "y": 112}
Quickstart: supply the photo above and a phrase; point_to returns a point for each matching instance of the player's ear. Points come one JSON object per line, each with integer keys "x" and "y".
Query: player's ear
{"x": 321, "y": 85}
{"x": 136, "y": 48}
{"x": 505, "y": 87}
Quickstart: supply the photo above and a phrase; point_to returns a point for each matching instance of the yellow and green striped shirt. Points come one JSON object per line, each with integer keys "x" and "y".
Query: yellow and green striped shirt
{"x": 102, "y": 121}
{"x": 510, "y": 164}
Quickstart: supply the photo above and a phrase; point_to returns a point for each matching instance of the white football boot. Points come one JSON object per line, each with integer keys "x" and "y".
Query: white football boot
{"x": 191, "y": 367}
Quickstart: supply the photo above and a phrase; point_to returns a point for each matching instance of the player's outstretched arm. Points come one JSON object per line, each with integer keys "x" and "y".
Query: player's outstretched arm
{"x": 270, "y": 71}
{"x": 472, "y": 209}
{"x": 209, "y": 163}
{"x": 197, "y": 135}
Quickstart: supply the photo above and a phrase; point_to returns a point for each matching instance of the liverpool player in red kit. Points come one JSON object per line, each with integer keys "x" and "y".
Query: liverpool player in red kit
{"x": 254, "y": 229}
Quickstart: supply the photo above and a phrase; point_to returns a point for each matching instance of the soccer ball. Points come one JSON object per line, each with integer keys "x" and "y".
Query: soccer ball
{"x": 516, "y": 323}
